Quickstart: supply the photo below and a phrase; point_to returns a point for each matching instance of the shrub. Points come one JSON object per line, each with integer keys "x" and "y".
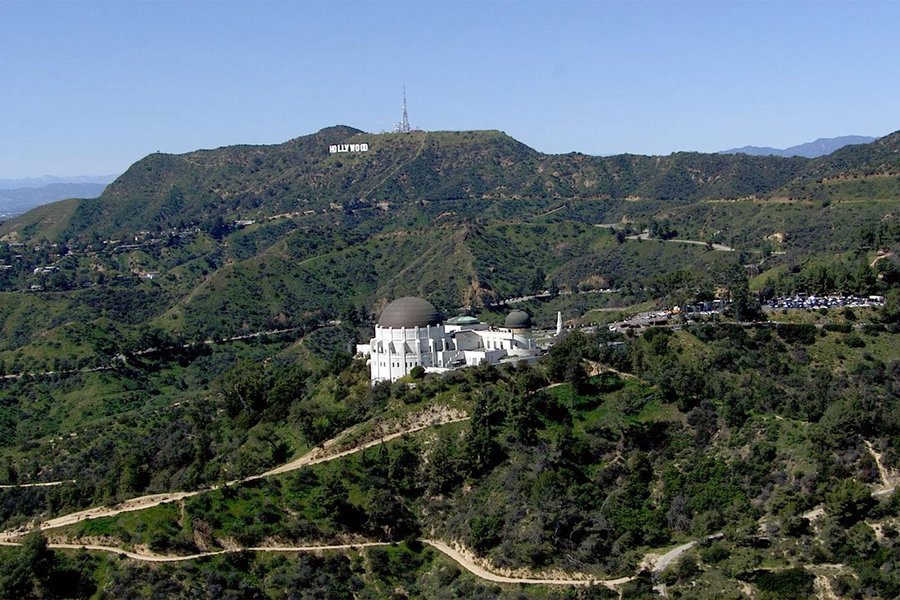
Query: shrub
{"x": 804, "y": 333}
{"x": 790, "y": 583}
{"x": 854, "y": 341}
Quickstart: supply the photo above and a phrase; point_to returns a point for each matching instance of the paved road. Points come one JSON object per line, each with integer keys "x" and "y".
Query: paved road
{"x": 719, "y": 247}
{"x": 666, "y": 559}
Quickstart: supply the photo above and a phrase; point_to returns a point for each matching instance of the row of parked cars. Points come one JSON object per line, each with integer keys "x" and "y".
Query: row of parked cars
{"x": 832, "y": 301}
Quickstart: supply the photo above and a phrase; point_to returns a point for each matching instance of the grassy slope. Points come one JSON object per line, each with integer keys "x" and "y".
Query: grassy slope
{"x": 48, "y": 222}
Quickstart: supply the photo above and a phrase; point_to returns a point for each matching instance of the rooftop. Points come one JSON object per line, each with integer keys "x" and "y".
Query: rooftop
{"x": 409, "y": 311}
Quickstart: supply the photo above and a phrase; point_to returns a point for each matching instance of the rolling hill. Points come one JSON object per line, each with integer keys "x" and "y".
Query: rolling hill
{"x": 20, "y": 200}
{"x": 178, "y": 346}
{"x": 165, "y": 191}
{"x": 249, "y": 238}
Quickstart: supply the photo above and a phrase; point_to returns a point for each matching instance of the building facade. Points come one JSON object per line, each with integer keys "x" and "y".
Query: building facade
{"x": 411, "y": 333}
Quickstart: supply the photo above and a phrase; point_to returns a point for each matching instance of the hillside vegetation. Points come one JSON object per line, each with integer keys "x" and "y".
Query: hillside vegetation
{"x": 168, "y": 191}
{"x": 190, "y": 328}
{"x": 584, "y": 476}
{"x": 250, "y": 238}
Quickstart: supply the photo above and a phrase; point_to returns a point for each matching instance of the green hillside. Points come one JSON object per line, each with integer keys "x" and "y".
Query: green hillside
{"x": 463, "y": 218}
{"x": 188, "y": 331}
{"x": 48, "y": 221}
{"x": 675, "y": 436}
{"x": 171, "y": 191}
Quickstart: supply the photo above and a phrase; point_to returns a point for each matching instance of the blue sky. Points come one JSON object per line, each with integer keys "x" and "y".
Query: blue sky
{"x": 91, "y": 87}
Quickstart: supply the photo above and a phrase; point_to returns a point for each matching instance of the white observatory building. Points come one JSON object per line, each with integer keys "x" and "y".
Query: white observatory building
{"x": 411, "y": 333}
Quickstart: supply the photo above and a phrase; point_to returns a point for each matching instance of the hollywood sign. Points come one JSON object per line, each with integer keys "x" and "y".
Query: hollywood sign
{"x": 334, "y": 148}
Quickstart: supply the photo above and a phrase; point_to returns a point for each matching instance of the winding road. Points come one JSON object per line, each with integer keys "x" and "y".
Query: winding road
{"x": 315, "y": 456}
{"x": 464, "y": 561}
{"x": 662, "y": 563}
{"x": 719, "y": 247}
{"x": 321, "y": 454}
{"x": 318, "y": 455}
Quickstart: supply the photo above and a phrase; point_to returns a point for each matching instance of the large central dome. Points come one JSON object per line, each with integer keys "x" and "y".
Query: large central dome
{"x": 409, "y": 312}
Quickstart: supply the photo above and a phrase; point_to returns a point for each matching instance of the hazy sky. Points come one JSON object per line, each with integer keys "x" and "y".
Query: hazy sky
{"x": 91, "y": 87}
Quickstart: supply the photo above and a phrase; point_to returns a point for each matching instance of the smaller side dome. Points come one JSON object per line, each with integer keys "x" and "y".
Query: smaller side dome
{"x": 518, "y": 319}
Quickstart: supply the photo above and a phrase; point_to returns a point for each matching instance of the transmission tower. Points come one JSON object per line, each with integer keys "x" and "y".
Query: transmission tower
{"x": 404, "y": 127}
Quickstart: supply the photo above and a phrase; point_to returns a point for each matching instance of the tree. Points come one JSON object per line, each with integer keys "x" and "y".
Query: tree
{"x": 565, "y": 354}
{"x": 890, "y": 312}
{"x": 743, "y": 307}
{"x": 403, "y": 472}
{"x": 442, "y": 474}
{"x": 27, "y": 575}
{"x": 704, "y": 421}
{"x": 849, "y": 501}
{"x": 332, "y": 500}
{"x": 216, "y": 227}
{"x": 288, "y": 384}
{"x": 485, "y": 532}
{"x": 388, "y": 516}
{"x": 245, "y": 390}
{"x": 481, "y": 451}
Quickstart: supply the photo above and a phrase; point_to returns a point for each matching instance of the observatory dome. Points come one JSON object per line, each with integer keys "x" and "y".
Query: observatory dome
{"x": 518, "y": 319}
{"x": 409, "y": 312}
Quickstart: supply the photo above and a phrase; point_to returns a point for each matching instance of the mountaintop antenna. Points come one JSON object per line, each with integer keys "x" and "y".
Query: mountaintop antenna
{"x": 404, "y": 127}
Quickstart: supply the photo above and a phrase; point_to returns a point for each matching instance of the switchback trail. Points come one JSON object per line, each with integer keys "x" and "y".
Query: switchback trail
{"x": 321, "y": 454}
{"x": 461, "y": 559}
{"x": 317, "y": 455}
{"x": 479, "y": 571}
{"x": 168, "y": 558}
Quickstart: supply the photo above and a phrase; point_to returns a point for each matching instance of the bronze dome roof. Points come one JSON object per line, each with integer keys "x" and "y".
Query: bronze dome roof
{"x": 409, "y": 312}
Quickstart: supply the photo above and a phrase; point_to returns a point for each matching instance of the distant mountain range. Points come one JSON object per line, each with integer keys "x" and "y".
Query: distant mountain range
{"x": 36, "y": 182}
{"x": 24, "y": 194}
{"x": 820, "y": 147}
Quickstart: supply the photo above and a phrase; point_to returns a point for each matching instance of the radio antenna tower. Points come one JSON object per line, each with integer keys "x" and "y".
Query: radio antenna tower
{"x": 404, "y": 120}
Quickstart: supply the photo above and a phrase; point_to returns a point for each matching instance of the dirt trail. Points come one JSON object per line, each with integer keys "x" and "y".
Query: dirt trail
{"x": 140, "y": 503}
{"x": 440, "y": 416}
{"x": 460, "y": 558}
{"x": 148, "y": 557}
{"x": 597, "y": 368}
{"x": 400, "y": 166}
{"x": 888, "y": 479}
{"x": 469, "y": 565}
{"x": 550, "y": 212}
{"x": 880, "y": 256}
{"x": 9, "y": 486}
{"x": 319, "y": 455}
